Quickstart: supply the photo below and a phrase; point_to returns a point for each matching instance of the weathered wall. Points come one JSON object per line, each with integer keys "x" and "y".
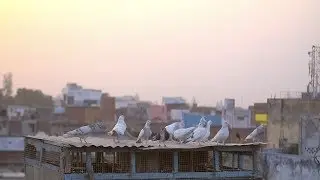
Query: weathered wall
{"x": 277, "y": 166}
{"x": 293, "y": 109}
{"x": 310, "y": 136}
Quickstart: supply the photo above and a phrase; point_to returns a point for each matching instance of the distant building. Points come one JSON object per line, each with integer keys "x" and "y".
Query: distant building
{"x": 237, "y": 117}
{"x": 108, "y": 108}
{"x": 83, "y": 114}
{"x": 11, "y": 153}
{"x": 19, "y": 111}
{"x": 125, "y": 101}
{"x": 192, "y": 119}
{"x": 157, "y": 113}
{"x": 174, "y": 103}
{"x": 177, "y": 114}
{"x": 173, "y": 100}
{"x": 242, "y": 118}
{"x": 73, "y": 94}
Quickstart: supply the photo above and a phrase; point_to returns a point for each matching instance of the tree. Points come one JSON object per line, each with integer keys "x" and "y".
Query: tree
{"x": 32, "y": 97}
{"x": 7, "y": 84}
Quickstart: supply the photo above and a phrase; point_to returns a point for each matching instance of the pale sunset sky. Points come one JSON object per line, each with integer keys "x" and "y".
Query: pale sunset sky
{"x": 210, "y": 49}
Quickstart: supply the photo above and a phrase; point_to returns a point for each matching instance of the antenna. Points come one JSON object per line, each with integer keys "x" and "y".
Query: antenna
{"x": 314, "y": 71}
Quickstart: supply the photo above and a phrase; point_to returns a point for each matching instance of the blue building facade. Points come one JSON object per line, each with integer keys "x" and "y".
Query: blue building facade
{"x": 192, "y": 119}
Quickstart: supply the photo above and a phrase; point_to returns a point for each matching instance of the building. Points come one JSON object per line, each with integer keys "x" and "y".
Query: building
{"x": 83, "y": 115}
{"x": 108, "y": 108}
{"x": 11, "y": 154}
{"x": 76, "y": 95}
{"x": 124, "y": 101}
{"x": 173, "y": 100}
{"x": 242, "y": 118}
{"x": 157, "y": 113}
{"x": 19, "y": 112}
{"x": 59, "y": 158}
{"x": 192, "y": 119}
{"x": 177, "y": 114}
{"x": 237, "y": 117}
{"x": 284, "y": 117}
{"x": 260, "y": 113}
{"x": 174, "y": 103}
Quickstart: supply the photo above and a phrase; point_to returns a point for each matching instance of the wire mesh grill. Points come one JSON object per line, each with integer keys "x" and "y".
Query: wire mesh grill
{"x": 78, "y": 162}
{"x": 31, "y": 152}
{"x": 148, "y": 162}
{"x": 51, "y": 157}
{"x": 166, "y": 162}
{"x": 247, "y": 162}
{"x": 195, "y": 161}
{"x": 102, "y": 162}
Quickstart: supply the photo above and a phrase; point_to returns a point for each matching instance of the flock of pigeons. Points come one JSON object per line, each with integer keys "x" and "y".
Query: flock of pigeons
{"x": 173, "y": 132}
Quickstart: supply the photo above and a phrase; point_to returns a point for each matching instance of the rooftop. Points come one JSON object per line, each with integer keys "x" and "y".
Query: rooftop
{"x": 107, "y": 142}
{"x": 11, "y": 143}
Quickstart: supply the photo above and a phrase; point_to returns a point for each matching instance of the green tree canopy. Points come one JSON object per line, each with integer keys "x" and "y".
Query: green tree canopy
{"x": 32, "y": 97}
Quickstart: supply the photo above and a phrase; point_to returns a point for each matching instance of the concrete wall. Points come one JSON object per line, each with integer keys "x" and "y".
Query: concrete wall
{"x": 293, "y": 109}
{"x": 310, "y": 136}
{"x": 277, "y": 166}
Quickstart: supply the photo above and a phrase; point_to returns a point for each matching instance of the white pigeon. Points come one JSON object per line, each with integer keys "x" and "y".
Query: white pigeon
{"x": 208, "y": 127}
{"x": 222, "y": 134}
{"x": 198, "y": 133}
{"x": 145, "y": 133}
{"x": 84, "y": 131}
{"x": 183, "y": 134}
{"x": 119, "y": 129}
{"x": 172, "y": 127}
{"x": 256, "y": 132}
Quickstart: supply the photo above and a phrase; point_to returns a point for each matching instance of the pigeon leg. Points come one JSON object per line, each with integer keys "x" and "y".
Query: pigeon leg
{"x": 118, "y": 138}
{"x": 170, "y": 137}
{"x": 84, "y": 139}
{"x": 80, "y": 139}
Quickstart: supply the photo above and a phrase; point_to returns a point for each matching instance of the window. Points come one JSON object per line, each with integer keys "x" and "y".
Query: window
{"x": 240, "y": 118}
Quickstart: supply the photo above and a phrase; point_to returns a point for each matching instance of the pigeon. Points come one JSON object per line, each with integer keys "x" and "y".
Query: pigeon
{"x": 84, "y": 131}
{"x": 157, "y": 136}
{"x": 119, "y": 129}
{"x": 145, "y": 132}
{"x": 172, "y": 127}
{"x": 198, "y": 133}
{"x": 163, "y": 136}
{"x": 222, "y": 134}
{"x": 183, "y": 134}
{"x": 238, "y": 137}
{"x": 208, "y": 127}
{"x": 253, "y": 135}
{"x": 203, "y": 120}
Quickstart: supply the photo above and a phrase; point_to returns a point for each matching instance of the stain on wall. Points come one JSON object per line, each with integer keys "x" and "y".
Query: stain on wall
{"x": 278, "y": 166}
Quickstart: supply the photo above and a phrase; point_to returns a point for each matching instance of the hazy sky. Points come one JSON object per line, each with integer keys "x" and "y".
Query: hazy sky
{"x": 210, "y": 49}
